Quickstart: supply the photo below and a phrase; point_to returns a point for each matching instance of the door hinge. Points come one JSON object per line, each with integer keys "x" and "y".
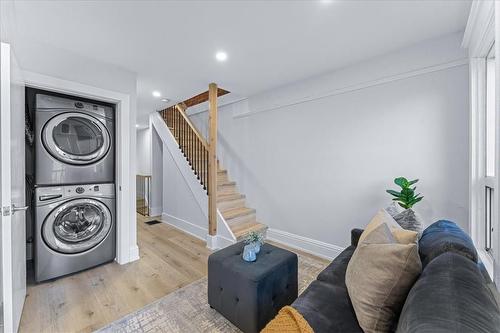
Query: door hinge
{"x": 6, "y": 211}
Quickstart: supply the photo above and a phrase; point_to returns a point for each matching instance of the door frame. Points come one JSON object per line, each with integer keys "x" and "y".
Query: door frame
{"x": 126, "y": 229}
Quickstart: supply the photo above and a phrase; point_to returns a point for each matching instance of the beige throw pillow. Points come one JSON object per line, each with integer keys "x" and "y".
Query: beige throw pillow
{"x": 381, "y": 217}
{"x": 379, "y": 276}
{"x": 401, "y": 235}
{"x": 405, "y": 236}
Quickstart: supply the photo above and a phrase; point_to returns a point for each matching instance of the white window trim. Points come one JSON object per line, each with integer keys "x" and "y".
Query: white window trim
{"x": 479, "y": 37}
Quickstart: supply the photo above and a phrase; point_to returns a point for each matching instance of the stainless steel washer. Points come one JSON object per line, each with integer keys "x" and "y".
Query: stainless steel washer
{"x": 74, "y": 228}
{"x": 74, "y": 142}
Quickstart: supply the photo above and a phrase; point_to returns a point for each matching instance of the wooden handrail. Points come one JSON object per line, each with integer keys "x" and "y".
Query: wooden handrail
{"x": 203, "y": 97}
{"x": 200, "y": 152}
{"x": 182, "y": 110}
{"x": 191, "y": 143}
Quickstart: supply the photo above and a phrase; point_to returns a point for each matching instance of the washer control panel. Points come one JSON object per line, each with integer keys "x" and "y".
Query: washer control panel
{"x": 46, "y": 195}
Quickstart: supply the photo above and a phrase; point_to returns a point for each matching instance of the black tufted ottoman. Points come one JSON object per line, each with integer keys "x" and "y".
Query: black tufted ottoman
{"x": 250, "y": 294}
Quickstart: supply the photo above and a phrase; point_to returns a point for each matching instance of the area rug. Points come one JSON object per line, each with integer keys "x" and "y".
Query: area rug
{"x": 187, "y": 310}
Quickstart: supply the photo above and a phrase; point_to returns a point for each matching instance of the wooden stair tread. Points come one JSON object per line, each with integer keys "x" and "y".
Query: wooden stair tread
{"x": 237, "y": 212}
{"x": 226, "y": 183}
{"x": 228, "y": 197}
{"x": 240, "y": 231}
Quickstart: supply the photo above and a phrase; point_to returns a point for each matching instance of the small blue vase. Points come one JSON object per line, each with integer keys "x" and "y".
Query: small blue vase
{"x": 249, "y": 253}
{"x": 256, "y": 246}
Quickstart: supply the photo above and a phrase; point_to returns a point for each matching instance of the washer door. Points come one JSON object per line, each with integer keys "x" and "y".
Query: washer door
{"x": 77, "y": 226}
{"x": 76, "y": 138}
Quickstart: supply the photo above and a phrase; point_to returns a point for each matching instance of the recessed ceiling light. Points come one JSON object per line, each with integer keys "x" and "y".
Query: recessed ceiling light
{"x": 221, "y": 56}
{"x": 137, "y": 125}
{"x": 326, "y": 2}
{"x": 156, "y": 93}
{"x": 165, "y": 100}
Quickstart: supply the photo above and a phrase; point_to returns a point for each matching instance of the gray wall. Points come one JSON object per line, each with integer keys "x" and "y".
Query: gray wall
{"x": 314, "y": 158}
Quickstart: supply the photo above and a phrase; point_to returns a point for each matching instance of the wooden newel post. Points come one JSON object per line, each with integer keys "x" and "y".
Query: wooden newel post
{"x": 212, "y": 159}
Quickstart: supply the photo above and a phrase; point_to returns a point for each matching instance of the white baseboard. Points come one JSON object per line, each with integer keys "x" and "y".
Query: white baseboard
{"x": 309, "y": 245}
{"x": 134, "y": 253}
{"x": 213, "y": 242}
{"x": 187, "y": 227}
{"x": 222, "y": 242}
{"x": 318, "y": 248}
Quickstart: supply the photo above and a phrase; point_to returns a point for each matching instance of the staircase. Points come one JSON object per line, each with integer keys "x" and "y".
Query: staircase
{"x": 231, "y": 203}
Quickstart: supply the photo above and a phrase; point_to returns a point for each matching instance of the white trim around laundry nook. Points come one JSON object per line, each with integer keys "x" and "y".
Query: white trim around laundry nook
{"x": 126, "y": 231}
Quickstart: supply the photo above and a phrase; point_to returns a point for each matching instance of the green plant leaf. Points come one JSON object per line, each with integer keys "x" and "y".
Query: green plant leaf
{"x": 394, "y": 193}
{"x": 401, "y": 182}
{"x": 412, "y": 182}
{"x": 418, "y": 199}
{"x": 403, "y": 205}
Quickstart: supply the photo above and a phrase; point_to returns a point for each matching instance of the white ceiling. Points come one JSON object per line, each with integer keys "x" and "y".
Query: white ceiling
{"x": 171, "y": 44}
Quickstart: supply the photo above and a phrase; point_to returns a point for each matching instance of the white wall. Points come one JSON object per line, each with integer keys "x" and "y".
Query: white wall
{"x": 184, "y": 202}
{"x": 143, "y": 151}
{"x": 179, "y": 203}
{"x": 315, "y": 157}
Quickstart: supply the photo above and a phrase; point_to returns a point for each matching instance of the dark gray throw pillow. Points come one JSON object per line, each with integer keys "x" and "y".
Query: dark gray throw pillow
{"x": 445, "y": 236}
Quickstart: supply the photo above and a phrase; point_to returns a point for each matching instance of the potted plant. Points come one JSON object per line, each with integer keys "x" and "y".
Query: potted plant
{"x": 406, "y": 198}
{"x": 255, "y": 239}
{"x": 253, "y": 242}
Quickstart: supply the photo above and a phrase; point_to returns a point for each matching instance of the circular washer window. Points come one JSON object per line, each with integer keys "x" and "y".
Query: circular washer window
{"x": 77, "y": 226}
{"x": 76, "y": 138}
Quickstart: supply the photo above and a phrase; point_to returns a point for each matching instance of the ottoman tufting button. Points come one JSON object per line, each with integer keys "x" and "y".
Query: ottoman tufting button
{"x": 221, "y": 289}
{"x": 237, "y": 299}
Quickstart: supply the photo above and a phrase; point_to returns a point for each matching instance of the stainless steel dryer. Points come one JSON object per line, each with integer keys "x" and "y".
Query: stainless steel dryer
{"x": 74, "y": 142}
{"x": 74, "y": 228}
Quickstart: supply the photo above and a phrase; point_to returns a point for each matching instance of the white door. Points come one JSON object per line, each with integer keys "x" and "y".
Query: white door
{"x": 12, "y": 195}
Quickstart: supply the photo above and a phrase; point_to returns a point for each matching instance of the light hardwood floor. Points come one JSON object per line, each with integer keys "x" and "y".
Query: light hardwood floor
{"x": 85, "y": 301}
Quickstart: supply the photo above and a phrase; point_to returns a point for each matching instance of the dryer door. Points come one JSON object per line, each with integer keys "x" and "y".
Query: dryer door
{"x": 76, "y": 138}
{"x": 77, "y": 226}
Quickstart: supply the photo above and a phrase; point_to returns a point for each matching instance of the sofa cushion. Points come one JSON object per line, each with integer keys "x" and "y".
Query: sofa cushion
{"x": 327, "y": 308}
{"x": 379, "y": 275}
{"x": 450, "y": 296}
{"x": 335, "y": 272}
{"x": 445, "y": 236}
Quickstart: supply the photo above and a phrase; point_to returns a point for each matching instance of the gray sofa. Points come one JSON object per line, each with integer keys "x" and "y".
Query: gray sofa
{"x": 453, "y": 294}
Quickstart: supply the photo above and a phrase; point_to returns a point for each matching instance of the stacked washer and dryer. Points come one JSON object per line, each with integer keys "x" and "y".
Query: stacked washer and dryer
{"x": 74, "y": 192}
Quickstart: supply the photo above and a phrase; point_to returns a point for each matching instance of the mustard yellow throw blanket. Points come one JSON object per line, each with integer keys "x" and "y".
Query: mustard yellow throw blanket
{"x": 288, "y": 320}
